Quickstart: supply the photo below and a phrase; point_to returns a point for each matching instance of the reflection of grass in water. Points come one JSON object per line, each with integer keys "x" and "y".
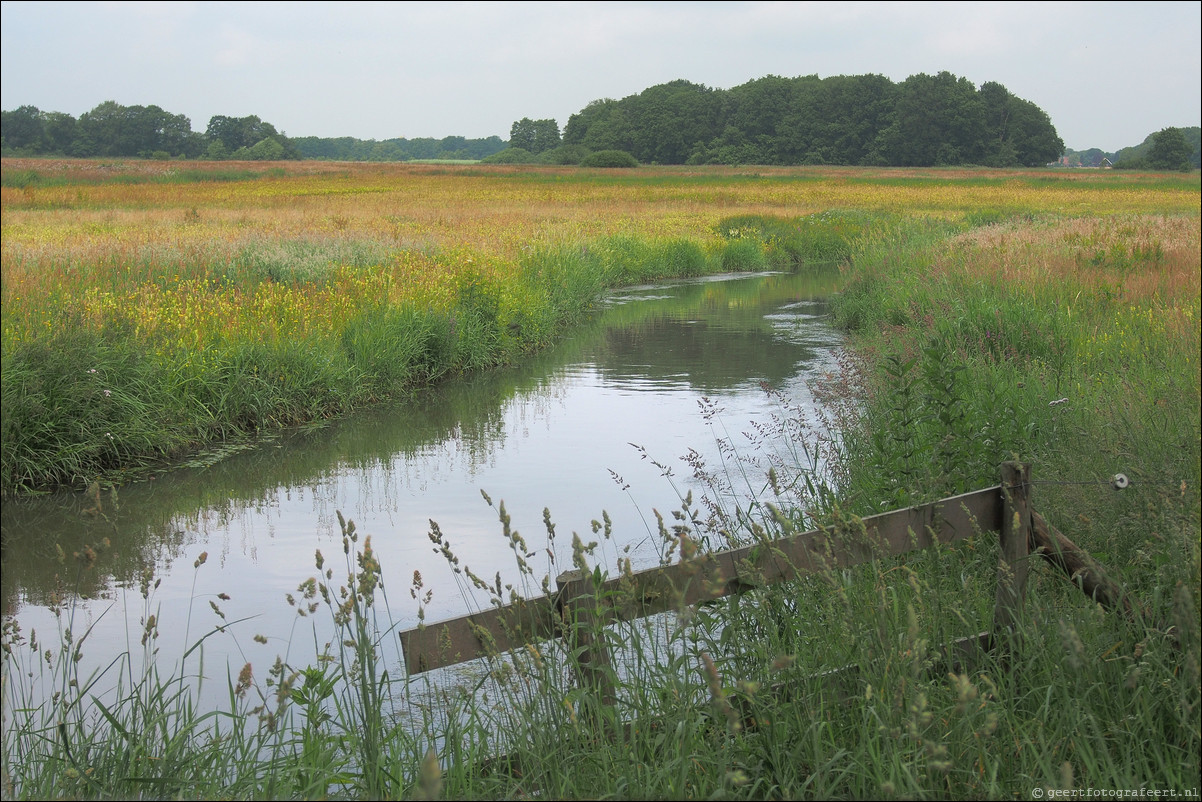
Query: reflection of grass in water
{"x": 213, "y": 309}
{"x": 1087, "y": 699}
{"x": 101, "y": 380}
{"x": 282, "y": 460}
{"x": 716, "y": 700}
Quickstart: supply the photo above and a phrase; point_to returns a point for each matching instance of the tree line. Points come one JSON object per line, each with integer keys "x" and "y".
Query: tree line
{"x": 346, "y": 148}
{"x": 849, "y": 120}
{"x": 1167, "y": 149}
{"x": 870, "y": 120}
{"x": 114, "y": 130}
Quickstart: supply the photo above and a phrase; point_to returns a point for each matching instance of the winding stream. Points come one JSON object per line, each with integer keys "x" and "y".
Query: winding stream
{"x": 583, "y": 430}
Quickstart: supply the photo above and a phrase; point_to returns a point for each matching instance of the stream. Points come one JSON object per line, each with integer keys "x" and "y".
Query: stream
{"x": 615, "y": 422}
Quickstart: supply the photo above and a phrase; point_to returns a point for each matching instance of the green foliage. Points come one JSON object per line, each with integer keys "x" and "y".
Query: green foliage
{"x": 609, "y": 158}
{"x": 251, "y": 137}
{"x": 266, "y": 149}
{"x": 113, "y": 130}
{"x": 865, "y": 120}
{"x": 743, "y": 254}
{"x": 348, "y": 148}
{"x": 534, "y": 136}
{"x": 510, "y": 156}
{"x": 1170, "y": 151}
{"x": 21, "y": 179}
{"x": 623, "y": 260}
{"x": 564, "y": 154}
{"x": 22, "y": 129}
{"x": 822, "y": 237}
{"x": 1137, "y": 156}
{"x": 934, "y": 435}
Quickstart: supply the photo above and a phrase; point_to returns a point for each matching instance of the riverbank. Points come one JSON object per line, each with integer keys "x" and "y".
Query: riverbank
{"x": 141, "y": 326}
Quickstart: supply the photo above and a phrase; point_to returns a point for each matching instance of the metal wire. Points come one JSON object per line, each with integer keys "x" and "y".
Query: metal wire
{"x": 1119, "y": 482}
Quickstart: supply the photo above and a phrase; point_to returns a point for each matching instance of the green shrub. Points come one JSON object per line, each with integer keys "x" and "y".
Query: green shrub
{"x": 510, "y": 156}
{"x": 743, "y": 256}
{"x": 821, "y": 237}
{"x": 609, "y": 158}
{"x": 564, "y": 154}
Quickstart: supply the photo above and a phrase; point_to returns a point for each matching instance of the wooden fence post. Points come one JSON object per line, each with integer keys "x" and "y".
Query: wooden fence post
{"x": 1015, "y": 539}
{"x": 584, "y": 622}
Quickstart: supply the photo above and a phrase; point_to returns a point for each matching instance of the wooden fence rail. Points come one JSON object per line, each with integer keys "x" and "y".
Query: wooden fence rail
{"x": 575, "y": 609}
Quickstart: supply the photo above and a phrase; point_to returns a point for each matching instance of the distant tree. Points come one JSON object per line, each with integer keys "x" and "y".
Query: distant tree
{"x": 22, "y": 128}
{"x": 267, "y": 149}
{"x": 835, "y": 120}
{"x": 534, "y": 136}
{"x": 601, "y": 125}
{"x": 236, "y": 133}
{"x": 480, "y": 148}
{"x": 111, "y": 129}
{"x": 102, "y": 127}
{"x": 935, "y": 120}
{"x": 216, "y": 151}
{"x": 669, "y": 121}
{"x": 1170, "y": 151}
{"x": 1017, "y": 133}
{"x": 60, "y": 132}
{"x": 752, "y": 122}
{"x": 387, "y": 151}
{"x": 859, "y": 119}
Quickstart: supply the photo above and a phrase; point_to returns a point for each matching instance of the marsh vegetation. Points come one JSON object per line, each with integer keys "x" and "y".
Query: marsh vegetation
{"x": 992, "y": 315}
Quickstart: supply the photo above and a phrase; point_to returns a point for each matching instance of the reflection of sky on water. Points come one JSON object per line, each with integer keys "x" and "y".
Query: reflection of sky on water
{"x": 558, "y": 442}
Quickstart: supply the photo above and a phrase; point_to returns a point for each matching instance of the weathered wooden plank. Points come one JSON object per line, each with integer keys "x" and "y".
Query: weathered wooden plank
{"x": 709, "y": 577}
{"x": 490, "y": 632}
{"x": 1080, "y": 568}
{"x": 724, "y": 573}
{"x": 1015, "y": 540}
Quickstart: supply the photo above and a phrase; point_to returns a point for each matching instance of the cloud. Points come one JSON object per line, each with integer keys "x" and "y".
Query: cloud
{"x": 379, "y": 70}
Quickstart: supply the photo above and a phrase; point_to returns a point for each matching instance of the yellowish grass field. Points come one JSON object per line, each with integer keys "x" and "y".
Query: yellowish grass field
{"x": 187, "y": 263}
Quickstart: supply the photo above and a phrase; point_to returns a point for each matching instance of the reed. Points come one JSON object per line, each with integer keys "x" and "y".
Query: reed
{"x": 986, "y": 324}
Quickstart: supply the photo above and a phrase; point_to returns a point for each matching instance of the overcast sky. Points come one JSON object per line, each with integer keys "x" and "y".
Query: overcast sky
{"x": 1108, "y": 74}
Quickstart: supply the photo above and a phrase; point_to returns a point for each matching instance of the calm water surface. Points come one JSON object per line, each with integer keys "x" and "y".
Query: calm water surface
{"x": 577, "y": 431}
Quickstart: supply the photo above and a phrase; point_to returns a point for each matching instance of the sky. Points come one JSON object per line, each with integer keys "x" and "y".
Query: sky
{"x": 1107, "y": 74}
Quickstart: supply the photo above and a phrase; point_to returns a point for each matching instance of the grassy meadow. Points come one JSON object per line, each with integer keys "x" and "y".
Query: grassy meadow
{"x": 151, "y": 310}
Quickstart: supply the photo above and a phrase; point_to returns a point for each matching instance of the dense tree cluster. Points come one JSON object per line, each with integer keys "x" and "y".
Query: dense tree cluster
{"x": 1167, "y": 149}
{"x": 349, "y": 149}
{"x": 861, "y": 119}
{"x": 534, "y": 136}
{"x": 870, "y": 120}
{"x": 114, "y": 130}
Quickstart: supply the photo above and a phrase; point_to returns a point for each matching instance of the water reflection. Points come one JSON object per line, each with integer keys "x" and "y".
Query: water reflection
{"x": 555, "y": 433}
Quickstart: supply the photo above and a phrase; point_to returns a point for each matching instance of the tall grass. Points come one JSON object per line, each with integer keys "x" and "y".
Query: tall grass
{"x": 1068, "y": 342}
{"x": 98, "y": 379}
{"x": 733, "y": 700}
